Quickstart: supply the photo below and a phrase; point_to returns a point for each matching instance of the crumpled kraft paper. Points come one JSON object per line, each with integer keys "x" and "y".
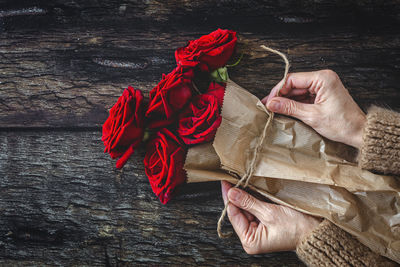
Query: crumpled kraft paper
{"x": 299, "y": 168}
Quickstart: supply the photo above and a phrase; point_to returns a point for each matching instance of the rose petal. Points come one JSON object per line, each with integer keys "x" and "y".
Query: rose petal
{"x": 123, "y": 130}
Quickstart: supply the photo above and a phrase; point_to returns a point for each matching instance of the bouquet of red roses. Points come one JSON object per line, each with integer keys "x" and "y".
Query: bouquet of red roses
{"x": 204, "y": 127}
{"x": 181, "y": 112}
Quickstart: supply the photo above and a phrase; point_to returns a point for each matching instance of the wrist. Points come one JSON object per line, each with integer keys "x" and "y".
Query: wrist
{"x": 311, "y": 223}
{"x": 357, "y": 135}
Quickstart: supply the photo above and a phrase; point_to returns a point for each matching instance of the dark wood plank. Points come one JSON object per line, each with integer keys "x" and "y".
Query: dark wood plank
{"x": 65, "y": 64}
{"x": 70, "y": 79}
{"x": 169, "y": 14}
{"x": 62, "y": 202}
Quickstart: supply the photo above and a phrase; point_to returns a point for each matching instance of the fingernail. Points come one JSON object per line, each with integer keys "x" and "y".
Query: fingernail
{"x": 274, "y": 105}
{"x": 234, "y": 194}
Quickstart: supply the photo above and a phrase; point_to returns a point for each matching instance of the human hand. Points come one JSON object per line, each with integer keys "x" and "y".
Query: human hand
{"x": 321, "y": 101}
{"x": 263, "y": 227}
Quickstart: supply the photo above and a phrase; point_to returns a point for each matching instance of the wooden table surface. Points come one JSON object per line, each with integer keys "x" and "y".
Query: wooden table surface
{"x": 63, "y": 64}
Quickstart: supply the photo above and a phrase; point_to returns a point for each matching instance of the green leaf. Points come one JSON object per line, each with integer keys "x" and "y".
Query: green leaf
{"x": 220, "y": 75}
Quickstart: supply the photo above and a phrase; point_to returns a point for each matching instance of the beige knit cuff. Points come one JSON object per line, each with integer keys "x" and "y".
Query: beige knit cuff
{"x": 329, "y": 245}
{"x": 380, "y": 151}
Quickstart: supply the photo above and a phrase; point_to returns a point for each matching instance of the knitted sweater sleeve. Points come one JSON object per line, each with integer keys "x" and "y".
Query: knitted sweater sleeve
{"x": 329, "y": 245}
{"x": 380, "y": 151}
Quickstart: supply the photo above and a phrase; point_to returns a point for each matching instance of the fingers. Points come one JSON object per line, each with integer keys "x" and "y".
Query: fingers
{"x": 297, "y": 80}
{"x": 290, "y": 107}
{"x": 297, "y": 92}
{"x": 238, "y": 220}
{"x": 273, "y": 92}
{"x": 307, "y": 99}
{"x": 225, "y": 186}
{"x": 246, "y": 202}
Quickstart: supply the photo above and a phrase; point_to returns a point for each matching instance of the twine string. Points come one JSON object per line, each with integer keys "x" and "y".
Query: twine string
{"x": 249, "y": 171}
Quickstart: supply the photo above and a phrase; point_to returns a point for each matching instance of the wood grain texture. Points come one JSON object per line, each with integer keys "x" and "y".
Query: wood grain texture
{"x": 67, "y": 67}
{"x": 63, "y": 203}
{"x": 63, "y": 64}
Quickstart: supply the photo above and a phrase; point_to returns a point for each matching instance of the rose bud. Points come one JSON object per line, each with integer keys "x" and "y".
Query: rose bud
{"x": 209, "y": 52}
{"x": 123, "y": 129}
{"x": 171, "y": 94}
{"x": 199, "y": 122}
{"x": 164, "y": 160}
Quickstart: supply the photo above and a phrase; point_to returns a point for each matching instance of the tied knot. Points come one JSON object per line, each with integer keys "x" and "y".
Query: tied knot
{"x": 250, "y": 168}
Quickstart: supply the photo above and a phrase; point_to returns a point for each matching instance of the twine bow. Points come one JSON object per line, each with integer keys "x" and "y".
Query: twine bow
{"x": 249, "y": 172}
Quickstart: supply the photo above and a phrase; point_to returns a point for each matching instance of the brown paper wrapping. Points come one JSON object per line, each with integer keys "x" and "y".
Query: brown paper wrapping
{"x": 299, "y": 168}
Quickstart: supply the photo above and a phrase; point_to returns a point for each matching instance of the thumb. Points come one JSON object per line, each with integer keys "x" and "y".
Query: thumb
{"x": 245, "y": 201}
{"x": 290, "y": 107}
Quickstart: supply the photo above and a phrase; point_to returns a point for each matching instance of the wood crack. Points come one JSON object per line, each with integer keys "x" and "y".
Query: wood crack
{"x": 22, "y": 12}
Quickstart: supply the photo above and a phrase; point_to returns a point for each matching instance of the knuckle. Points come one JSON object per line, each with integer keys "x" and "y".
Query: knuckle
{"x": 250, "y": 250}
{"x": 249, "y": 244}
{"x": 329, "y": 75}
{"x": 290, "y": 108}
{"x": 247, "y": 202}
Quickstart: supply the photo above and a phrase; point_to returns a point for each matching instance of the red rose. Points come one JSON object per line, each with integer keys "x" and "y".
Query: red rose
{"x": 123, "y": 130}
{"x": 211, "y": 51}
{"x": 218, "y": 91}
{"x": 169, "y": 96}
{"x": 163, "y": 164}
{"x": 199, "y": 122}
